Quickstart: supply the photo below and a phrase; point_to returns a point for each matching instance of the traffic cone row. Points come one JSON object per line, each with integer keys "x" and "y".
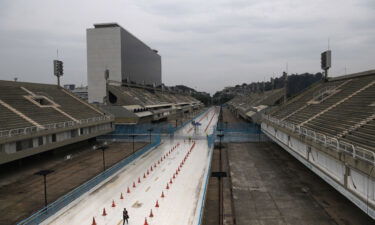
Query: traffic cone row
{"x": 113, "y": 205}
{"x": 168, "y": 183}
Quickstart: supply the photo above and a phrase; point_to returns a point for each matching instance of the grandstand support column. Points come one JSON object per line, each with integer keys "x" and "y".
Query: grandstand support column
{"x": 369, "y": 188}
{"x": 346, "y": 175}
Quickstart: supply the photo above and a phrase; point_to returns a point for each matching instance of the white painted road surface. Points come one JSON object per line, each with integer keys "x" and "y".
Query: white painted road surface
{"x": 178, "y": 163}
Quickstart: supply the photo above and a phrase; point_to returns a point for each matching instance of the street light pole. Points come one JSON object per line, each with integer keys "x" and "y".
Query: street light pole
{"x": 102, "y": 147}
{"x": 150, "y": 130}
{"x": 103, "y": 159}
{"x": 44, "y": 173}
{"x": 133, "y": 136}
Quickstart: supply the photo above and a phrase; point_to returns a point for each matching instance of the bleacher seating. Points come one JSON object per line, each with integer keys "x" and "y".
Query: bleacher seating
{"x": 147, "y": 97}
{"x": 10, "y": 120}
{"x": 242, "y": 104}
{"x": 72, "y": 106}
{"x": 343, "y": 114}
{"x": 16, "y": 94}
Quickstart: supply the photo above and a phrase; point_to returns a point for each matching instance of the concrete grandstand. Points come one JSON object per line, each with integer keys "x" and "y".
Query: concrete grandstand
{"x": 330, "y": 128}
{"x": 249, "y": 106}
{"x": 35, "y": 118}
{"x": 132, "y": 103}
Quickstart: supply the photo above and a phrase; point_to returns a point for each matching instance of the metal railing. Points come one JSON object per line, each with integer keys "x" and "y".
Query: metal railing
{"x": 60, "y": 203}
{"x": 51, "y": 126}
{"x": 326, "y": 141}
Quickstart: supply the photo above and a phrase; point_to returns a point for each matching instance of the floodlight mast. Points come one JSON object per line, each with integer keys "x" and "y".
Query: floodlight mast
{"x": 58, "y": 70}
{"x": 325, "y": 61}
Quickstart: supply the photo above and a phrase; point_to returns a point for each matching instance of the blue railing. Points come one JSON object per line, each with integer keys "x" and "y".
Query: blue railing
{"x": 142, "y": 131}
{"x": 239, "y": 128}
{"x": 57, "y": 205}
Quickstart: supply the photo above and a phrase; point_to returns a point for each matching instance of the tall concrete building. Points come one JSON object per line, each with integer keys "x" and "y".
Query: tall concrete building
{"x": 109, "y": 46}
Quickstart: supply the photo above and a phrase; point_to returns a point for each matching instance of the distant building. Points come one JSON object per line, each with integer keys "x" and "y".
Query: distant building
{"x": 109, "y": 46}
{"x": 79, "y": 91}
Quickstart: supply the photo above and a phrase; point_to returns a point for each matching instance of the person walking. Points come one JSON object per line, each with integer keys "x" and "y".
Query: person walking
{"x": 125, "y": 216}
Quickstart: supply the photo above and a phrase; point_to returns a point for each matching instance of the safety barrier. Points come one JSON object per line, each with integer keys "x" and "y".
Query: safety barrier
{"x": 239, "y": 128}
{"x": 325, "y": 140}
{"x": 143, "y": 131}
{"x": 60, "y": 203}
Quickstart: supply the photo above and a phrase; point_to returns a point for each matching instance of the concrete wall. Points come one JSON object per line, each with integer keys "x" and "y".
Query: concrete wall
{"x": 103, "y": 52}
{"x": 124, "y": 55}
{"x": 139, "y": 62}
{"x": 9, "y": 151}
{"x": 352, "y": 183}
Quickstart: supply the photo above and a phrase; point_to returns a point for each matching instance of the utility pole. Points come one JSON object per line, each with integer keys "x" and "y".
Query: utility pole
{"x": 285, "y": 75}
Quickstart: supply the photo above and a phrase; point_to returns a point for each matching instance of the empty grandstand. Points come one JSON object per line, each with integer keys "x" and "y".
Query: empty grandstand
{"x": 133, "y": 104}
{"x": 330, "y": 127}
{"x": 35, "y": 118}
{"x": 249, "y": 106}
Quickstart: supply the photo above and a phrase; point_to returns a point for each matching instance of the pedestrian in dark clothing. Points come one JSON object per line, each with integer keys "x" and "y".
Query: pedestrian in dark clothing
{"x": 125, "y": 216}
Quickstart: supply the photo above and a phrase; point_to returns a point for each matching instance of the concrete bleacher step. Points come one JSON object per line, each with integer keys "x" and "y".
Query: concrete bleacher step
{"x": 360, "y": 140}
{"x": 341, "y": 101}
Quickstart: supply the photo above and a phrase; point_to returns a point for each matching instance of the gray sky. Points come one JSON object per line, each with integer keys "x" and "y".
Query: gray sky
{"x": 206, "y": 44}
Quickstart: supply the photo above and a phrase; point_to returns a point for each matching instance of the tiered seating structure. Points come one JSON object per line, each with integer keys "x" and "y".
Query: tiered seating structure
{"x": 347, "y": 113}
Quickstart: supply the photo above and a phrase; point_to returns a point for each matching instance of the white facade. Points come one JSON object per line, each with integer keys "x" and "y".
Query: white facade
{"x": 111, "y": 47}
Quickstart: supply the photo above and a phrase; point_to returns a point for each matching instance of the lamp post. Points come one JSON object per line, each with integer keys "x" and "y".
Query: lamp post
{"x": 150, "y": 130}
{"x": 44, "y": 173}
{"x": 133, "y": 136}
{"x": 220, "y": 135}
{"x": 102, "y": 147}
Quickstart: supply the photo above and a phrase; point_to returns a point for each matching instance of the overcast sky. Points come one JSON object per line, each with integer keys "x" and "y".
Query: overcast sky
{"x": 205, "y": 44}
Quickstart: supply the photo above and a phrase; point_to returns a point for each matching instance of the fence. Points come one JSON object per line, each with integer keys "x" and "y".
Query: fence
{"x": 239, "y": 128}
{"x": 60, "y": 203}
{"x": 325, "y": 140}
{"x": 241, "y": 132}
{"x": 142, "y": 132}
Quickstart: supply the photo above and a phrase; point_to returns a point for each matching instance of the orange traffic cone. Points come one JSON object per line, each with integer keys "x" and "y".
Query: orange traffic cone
{"x": 157, "y": 204}
{"x": 133, "y": 184}
{"x": 144, "y": 223}
{"x": 113, "y": 204}
{"x": 121, "y": 196}
{"x": 139, "y": 180}
{"x": 151, "y": 214}
{"x": 148, "y": 172}
{"x": 170, "y": 181}
{"x": 162, "y": 194}
{"x": 167, "y": 186}
{"x": 94, "y": 222}
{"x": 104, "y": 212}
{"x": 144, "y": 176}
{"x": 128, "y": 190}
